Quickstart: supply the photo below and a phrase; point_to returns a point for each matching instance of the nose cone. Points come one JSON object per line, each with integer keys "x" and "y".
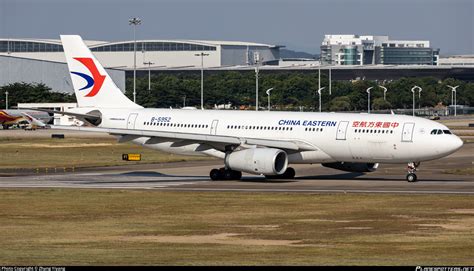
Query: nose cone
{"x": 457, "y": 143}
{"x": 449, "y": 146}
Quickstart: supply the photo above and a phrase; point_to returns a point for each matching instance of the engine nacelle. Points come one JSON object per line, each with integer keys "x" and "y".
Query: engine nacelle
{"x": 352, "y": 167}
{"x": 265, "y": 161}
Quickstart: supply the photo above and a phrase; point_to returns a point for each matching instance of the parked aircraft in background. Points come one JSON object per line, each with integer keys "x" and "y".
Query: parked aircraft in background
{"x": 10, "y": 117}
{"x": 253, "y": 142}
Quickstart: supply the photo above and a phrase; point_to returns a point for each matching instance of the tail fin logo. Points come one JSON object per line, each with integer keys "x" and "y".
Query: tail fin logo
{"x": 95, "y": 81}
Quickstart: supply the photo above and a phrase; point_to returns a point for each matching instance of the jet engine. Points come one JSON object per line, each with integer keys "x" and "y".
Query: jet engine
{"x": 352, "y": 167}
{"x": 265, "y": 161}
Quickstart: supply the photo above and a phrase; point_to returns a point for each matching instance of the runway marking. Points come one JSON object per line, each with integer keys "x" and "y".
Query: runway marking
{"x": 97, "y": 185}
{"x": 325, "y": 190}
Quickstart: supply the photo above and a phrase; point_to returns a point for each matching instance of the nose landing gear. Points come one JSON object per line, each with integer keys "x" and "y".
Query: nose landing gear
{"x": 411, "y": 176}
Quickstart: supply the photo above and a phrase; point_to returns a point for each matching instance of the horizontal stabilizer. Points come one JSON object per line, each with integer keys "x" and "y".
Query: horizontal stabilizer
{"x": 33, "y": 121}
{"x": 88, "y": 116}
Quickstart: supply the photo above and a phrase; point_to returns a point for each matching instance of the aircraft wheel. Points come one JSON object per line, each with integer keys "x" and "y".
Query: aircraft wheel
{"x": 289, "y": 173}
{"x": 228, "y": 175}
{"x": 232, "y": 174}
{"x": 215, "y": 175}
{"x": 411, "y": 177}
{"x": 237, "y": 175}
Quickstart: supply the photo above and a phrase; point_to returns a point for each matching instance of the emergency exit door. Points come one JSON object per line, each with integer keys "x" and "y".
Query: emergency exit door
{"x": 214, "y": 127}
{"x": 341, "y": 130}
{"x": 407, "y": 133}
{"x": 131, "y": 121}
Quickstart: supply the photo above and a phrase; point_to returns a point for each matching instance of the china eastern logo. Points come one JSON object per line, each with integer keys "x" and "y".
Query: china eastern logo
{"x": 95, "y": 81}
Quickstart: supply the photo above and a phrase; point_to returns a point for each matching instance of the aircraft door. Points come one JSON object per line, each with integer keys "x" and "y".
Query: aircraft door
{"x": 214, "y": 127}
{"x": 341, "y": 130}
{"x": 131, "y": 121}
{"x": 407, "y": 134}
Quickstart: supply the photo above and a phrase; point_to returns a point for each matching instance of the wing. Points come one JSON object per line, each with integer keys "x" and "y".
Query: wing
{"x": 216, "y": 141}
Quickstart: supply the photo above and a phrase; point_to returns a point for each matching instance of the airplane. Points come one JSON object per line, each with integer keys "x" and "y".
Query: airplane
{"x": 257, "y": 142}
{"x": 32, "y": 121}
{"x": 9, "y": 117}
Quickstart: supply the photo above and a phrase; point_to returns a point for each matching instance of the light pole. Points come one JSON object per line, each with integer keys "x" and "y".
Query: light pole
{"x": 134, "y": 21}
{"x": 419, "y": 98}
{"x": 453, "y": 90}
{"x": 319, "y": 94}
{"x": 184, "y": 101}
{"x": 419, "y": 94}
{"x": 149, "y": 63}
{"x": 6, "y": 99}
{"x": 202, "y": 55}
{"x": 268, "y": 93}
{"x": 319, "y": 76}
{"x": 368, "y": 101}
{"x": 384, "y": 92}
{"x": 330, "y": 82}
{"x": 256, "y": 58}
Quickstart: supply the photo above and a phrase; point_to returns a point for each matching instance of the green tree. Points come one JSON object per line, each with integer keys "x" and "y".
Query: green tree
{"x": 34, "y": 93}
{"x": 292, "y": 89}
{"x": 342, "y": 103}
{"x": 381, "y": 104}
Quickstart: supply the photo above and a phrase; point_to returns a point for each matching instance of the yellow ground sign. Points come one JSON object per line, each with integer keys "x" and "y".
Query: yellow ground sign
{"x": 131, "y": 157}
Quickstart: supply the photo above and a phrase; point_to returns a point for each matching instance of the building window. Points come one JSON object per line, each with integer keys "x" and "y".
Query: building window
{"x": 153, "y": 46}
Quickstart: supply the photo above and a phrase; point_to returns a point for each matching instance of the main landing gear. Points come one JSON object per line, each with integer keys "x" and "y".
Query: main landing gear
{"x": 411, "y": 176}
{"x": 225, "y": 174}
{"x": 289, "y": 174}
{"x": 222, "y": 174}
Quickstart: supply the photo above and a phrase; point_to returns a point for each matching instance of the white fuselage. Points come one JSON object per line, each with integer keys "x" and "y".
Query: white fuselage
{"x": 343, "y": 137}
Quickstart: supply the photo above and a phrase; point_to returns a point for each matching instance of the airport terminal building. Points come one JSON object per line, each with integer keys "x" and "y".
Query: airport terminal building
{"x": 372, "y": 50}
{"x": 150, "y": 53}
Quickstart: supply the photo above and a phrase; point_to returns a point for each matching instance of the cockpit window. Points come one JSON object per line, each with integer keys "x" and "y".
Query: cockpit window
{"x": 440, "y": 132}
